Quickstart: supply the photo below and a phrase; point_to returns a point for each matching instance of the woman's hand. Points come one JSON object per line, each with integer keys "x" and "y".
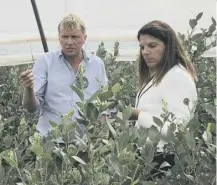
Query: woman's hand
{"x": 135, "y": 113}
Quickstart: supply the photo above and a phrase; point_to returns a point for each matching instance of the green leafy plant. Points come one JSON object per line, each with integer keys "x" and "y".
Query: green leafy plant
{"x": 112, "y": 151}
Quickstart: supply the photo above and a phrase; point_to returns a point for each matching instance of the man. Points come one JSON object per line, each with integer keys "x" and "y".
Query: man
{"x": 47, "y": 86}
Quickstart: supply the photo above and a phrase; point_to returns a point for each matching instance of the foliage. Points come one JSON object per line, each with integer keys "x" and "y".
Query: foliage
{"x": 196, "y": 45}
{"x": 122, "y": 73}
{"x": 113, "y": 151}
{"x": 11, "y": 108}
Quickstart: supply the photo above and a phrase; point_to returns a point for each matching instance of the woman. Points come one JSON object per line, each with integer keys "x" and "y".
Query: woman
{"x": 165, "y": 74}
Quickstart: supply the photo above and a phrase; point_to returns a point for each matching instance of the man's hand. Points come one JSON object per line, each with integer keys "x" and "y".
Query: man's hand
{"x": 27, "y": 79}
{"x": 102, "y": 118}
{"x": 29, "y": 99}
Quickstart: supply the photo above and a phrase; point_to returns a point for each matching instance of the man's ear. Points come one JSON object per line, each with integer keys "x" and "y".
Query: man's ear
{"x": 85, "y": 37}
{"x": 59, "y": 36}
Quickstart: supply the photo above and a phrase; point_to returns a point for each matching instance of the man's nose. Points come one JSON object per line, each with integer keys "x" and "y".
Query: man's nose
{"x": 70, "y": 41}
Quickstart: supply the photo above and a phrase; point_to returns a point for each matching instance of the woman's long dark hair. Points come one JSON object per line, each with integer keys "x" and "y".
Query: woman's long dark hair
{"x": 174, "y": 53}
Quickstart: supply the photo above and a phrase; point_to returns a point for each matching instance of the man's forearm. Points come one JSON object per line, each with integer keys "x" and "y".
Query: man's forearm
{"x": 29, "y": 100}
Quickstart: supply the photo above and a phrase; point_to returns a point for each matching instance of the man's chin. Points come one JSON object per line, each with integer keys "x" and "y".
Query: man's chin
{"x": 70, "y": 54}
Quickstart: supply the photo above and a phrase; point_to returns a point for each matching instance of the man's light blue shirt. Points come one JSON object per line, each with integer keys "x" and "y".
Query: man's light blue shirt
{"x": 53, "y": 76}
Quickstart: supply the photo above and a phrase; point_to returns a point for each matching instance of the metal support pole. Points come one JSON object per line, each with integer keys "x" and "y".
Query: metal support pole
{"x": 40, "y": 28}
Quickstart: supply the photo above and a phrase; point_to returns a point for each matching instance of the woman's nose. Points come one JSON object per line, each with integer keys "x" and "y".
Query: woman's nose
{"x": 145, "y": 51}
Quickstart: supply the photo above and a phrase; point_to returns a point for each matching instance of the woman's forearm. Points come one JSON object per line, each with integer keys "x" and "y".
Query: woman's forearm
{"x": 135, "y": 113}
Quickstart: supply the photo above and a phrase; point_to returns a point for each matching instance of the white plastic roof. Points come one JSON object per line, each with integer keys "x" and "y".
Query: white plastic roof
{"x": 102, "y": 16}
{"x": 106, "y": 20}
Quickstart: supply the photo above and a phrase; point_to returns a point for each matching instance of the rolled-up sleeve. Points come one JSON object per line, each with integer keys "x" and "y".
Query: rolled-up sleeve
{"x": 40, "y": 79}
{"x": 103, "y": 81}
{"x": 103, "y": 75}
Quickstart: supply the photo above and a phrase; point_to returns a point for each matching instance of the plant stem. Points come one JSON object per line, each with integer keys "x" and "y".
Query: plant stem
{"x": 20, "y": 175}
{"x": 8, "y": 175}
{"x": 134, "y": 175}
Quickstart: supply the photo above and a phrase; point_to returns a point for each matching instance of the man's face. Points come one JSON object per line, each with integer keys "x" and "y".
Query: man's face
{"x": 71, "y": 41}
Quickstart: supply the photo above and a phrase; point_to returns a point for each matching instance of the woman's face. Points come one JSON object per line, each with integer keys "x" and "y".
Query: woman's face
{"x": 152, "y": 50}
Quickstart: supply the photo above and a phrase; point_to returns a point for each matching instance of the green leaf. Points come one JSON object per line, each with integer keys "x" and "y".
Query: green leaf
{"x": 53, "y": 124}
{"x": 212, "y": 28}
{"x": 18, "y": 154}
{"x": 194, "y": 123}
{"x": 172, "y": 127}
{"x": 121, "y": 105}
{"x": 133, "y": 134}
{"x": 69, "y": 115}
{"x": 198, "y": 17}
{"x": 127, "y": 113}
{"x": 102, "y": 178}
{"x": 181, "y": 36}
{"x": 211, "y": 127}
{"x": 207, "y": 136}
{"x": 142, "y": 138}
{"x": 23, "y": 121}
{"x": 92, "y": 112}
{"x": 80, "y": 105}
{"x": 37, "y": 149}
{"x": 180, "y": 149}
{"x": 112, "y": 130}
{"x": 9, "y": 120}
{"x": 192, "y": 23}
{"x": 197, "y": 36}
{"x": 81, "y": 143}
{"x": 148, "y": 151}
{"x": 211, "y": 110}
{"x": 78, "y": 159}
{"x": 123, "y": 140}
{"x": 81, "y": 112}
{"x": 213, "y": 21}
{"x": 45, "y": 157}
{"x": 104, "y": 149}
{"x": 164, "y": 164}
{"x": 102, "y": 163}
{"x": 37, "y": 136}
{"x": 135, "y": 182}
{"x": 158, "y": 121}
{"x": 2, "y": 172}
{"x": 123, "y": 170}
{"x": 191, "y": 178}
{"x": 105, "y": 95}
{"x": 116, "y": 88}
{"x": 170, "y": 136}
{"x": 153, "y": 134}
{"x": 78, "y": 92}
{"x": 190, "y": 161}
{"x": 8, "y": 140}
{"x": 10, "y": 157}
{"x": 94, "y": 96}
{"x": 105, "y": 106}
{"x": 1, "y": 129}
{"x": 198, "y": 148}
{"x": 105, "y": 141}
{"x": 190, "y": 141}
{"x": 119, "y": 117}
{"x": 114, "y": 163}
